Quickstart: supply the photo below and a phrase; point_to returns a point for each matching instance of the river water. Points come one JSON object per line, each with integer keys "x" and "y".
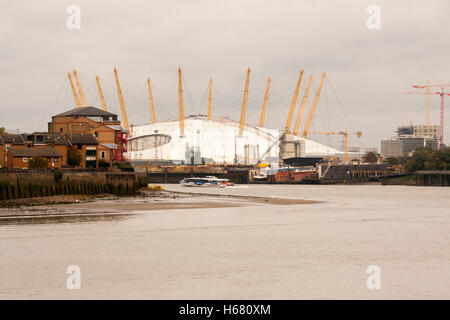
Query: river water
{"x": 258, "y": 251}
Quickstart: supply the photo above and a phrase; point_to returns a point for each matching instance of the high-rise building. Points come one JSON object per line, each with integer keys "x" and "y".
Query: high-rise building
{"x": 432, "y": 131}
{"x": 408, "y": 139}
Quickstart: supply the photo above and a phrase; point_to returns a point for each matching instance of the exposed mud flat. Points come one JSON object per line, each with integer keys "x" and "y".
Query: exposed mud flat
{"x": 145, "y": 200}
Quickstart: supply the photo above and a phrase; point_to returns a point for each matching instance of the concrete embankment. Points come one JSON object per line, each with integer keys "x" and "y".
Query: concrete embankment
{"x": 29, "y": 184}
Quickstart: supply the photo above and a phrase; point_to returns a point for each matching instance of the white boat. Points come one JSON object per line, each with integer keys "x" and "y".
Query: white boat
{"x": 208, "y": 181}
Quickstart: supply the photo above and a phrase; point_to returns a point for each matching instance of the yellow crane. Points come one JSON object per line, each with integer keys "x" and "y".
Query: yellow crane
{"x": 313, "y": 107}
{"x": 75, "y": 94}
{"x": 150, "y": 101}
{"x": 293, "y": 103}
{"x": 180, "y": 103}
{"x": 80, "y": 89}
{"x": 302, "y": 108}
{"x": 264, "y": 107}
{"x": 345, "y": 133}
{"x": 210, "y": 100}
{"x": 244, "y": 104}
{"x": 122, "y": 103}
{"x": 100, "y": 92}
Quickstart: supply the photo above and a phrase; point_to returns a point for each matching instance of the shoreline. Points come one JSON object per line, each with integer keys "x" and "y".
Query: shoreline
{"x": 145, "y": 200}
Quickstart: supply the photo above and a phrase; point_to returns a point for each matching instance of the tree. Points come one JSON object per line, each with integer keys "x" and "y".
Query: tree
{"x": 392, "y": 161}
{"x": 74, "y": 158}
{"x": 103, "y": 164}
{"x": 58, "y": 174}
{"x": 426, "y": 158}
{"x": 38, "y": 163}
{"x": 2, "y": 130}
{"x": 370, "y": 157}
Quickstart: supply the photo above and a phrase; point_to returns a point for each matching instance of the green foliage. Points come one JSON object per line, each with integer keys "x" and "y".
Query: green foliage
{"x": 74, "y": 158}
{"x": 2, "y": 130}
{"x": 122, "y": 164}
{"x": 58, "y": 174}
{"x": 392, "y": 161}
{"x": 38, "y": 163}
{"x": 103, "y": 164}
{"x": 125, "y": 164}
{"x": 428, "y": 159}
{"x": 370, "y": 157}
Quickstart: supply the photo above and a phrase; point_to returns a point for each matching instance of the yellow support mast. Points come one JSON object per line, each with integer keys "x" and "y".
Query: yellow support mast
{"x": 210, "y": 100}
{"x": 244, "y": 105}
{"x": 150, "y": 100}
{"x": 313, "y": 107}
{"x": 75, "y": 94}
{"x": 180, "y": 103}
{"x": 80, "y": 89}
{"x": 287, "y": 127}
{"x": 122, "y": 103}
{"x": 100, "y": 92}
{"x": 427, "y": 90}
{"x": 264, "y": 107}
{"x": 302, "y": 108}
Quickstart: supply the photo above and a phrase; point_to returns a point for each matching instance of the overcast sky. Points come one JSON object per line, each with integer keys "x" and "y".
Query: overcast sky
{"x": 367, "y": 70}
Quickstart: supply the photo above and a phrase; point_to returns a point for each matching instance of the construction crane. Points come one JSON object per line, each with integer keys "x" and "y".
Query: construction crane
{"x": 345, "y": 133}
{"x": 122, "y": 103}
{"x": 210, "y": 100}
{"x": 244, "y": 104}
{"x": 313, "y": 107}
{"x": 293, "y": 103}
{"x": 150, "y": 101}
{"x": 100, "y": 92}
{"x": 302, "y": 108}
{"x": 442, "y": 94}
{"x": 264, "y": 107}
{"x": 180, "y": 103}
{"x": 75, "y": 94}
{"x": 80, "y": 89}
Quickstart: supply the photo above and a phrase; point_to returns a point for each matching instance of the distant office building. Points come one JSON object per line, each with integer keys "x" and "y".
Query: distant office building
{"x": 405, "y": 131}
{"x": 403, "y": 146}
{"x": 409, "y": 138}
{"x": 427, "y": 131}
{"x": 432, "y": 131}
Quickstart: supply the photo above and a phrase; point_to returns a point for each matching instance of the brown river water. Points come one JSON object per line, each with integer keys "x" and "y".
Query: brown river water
{"x": 227, "y": 248}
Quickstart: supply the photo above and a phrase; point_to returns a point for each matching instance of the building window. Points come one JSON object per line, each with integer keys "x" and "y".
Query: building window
{"x": 103, "y": 155}
{"x": 25, "y": 159}
{"x": 61, "y": 130}
{"x": 80, "y": 147}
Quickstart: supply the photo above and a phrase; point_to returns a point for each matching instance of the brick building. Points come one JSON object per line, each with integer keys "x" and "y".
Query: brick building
{"x": 19, "y": 158}
{"x": 49, "y": 140}
{"x": 103, "y": 125}
{"x": 94, "y": 133}
{"x": 8, "y": 141}
{"x": 87, "y": 146}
